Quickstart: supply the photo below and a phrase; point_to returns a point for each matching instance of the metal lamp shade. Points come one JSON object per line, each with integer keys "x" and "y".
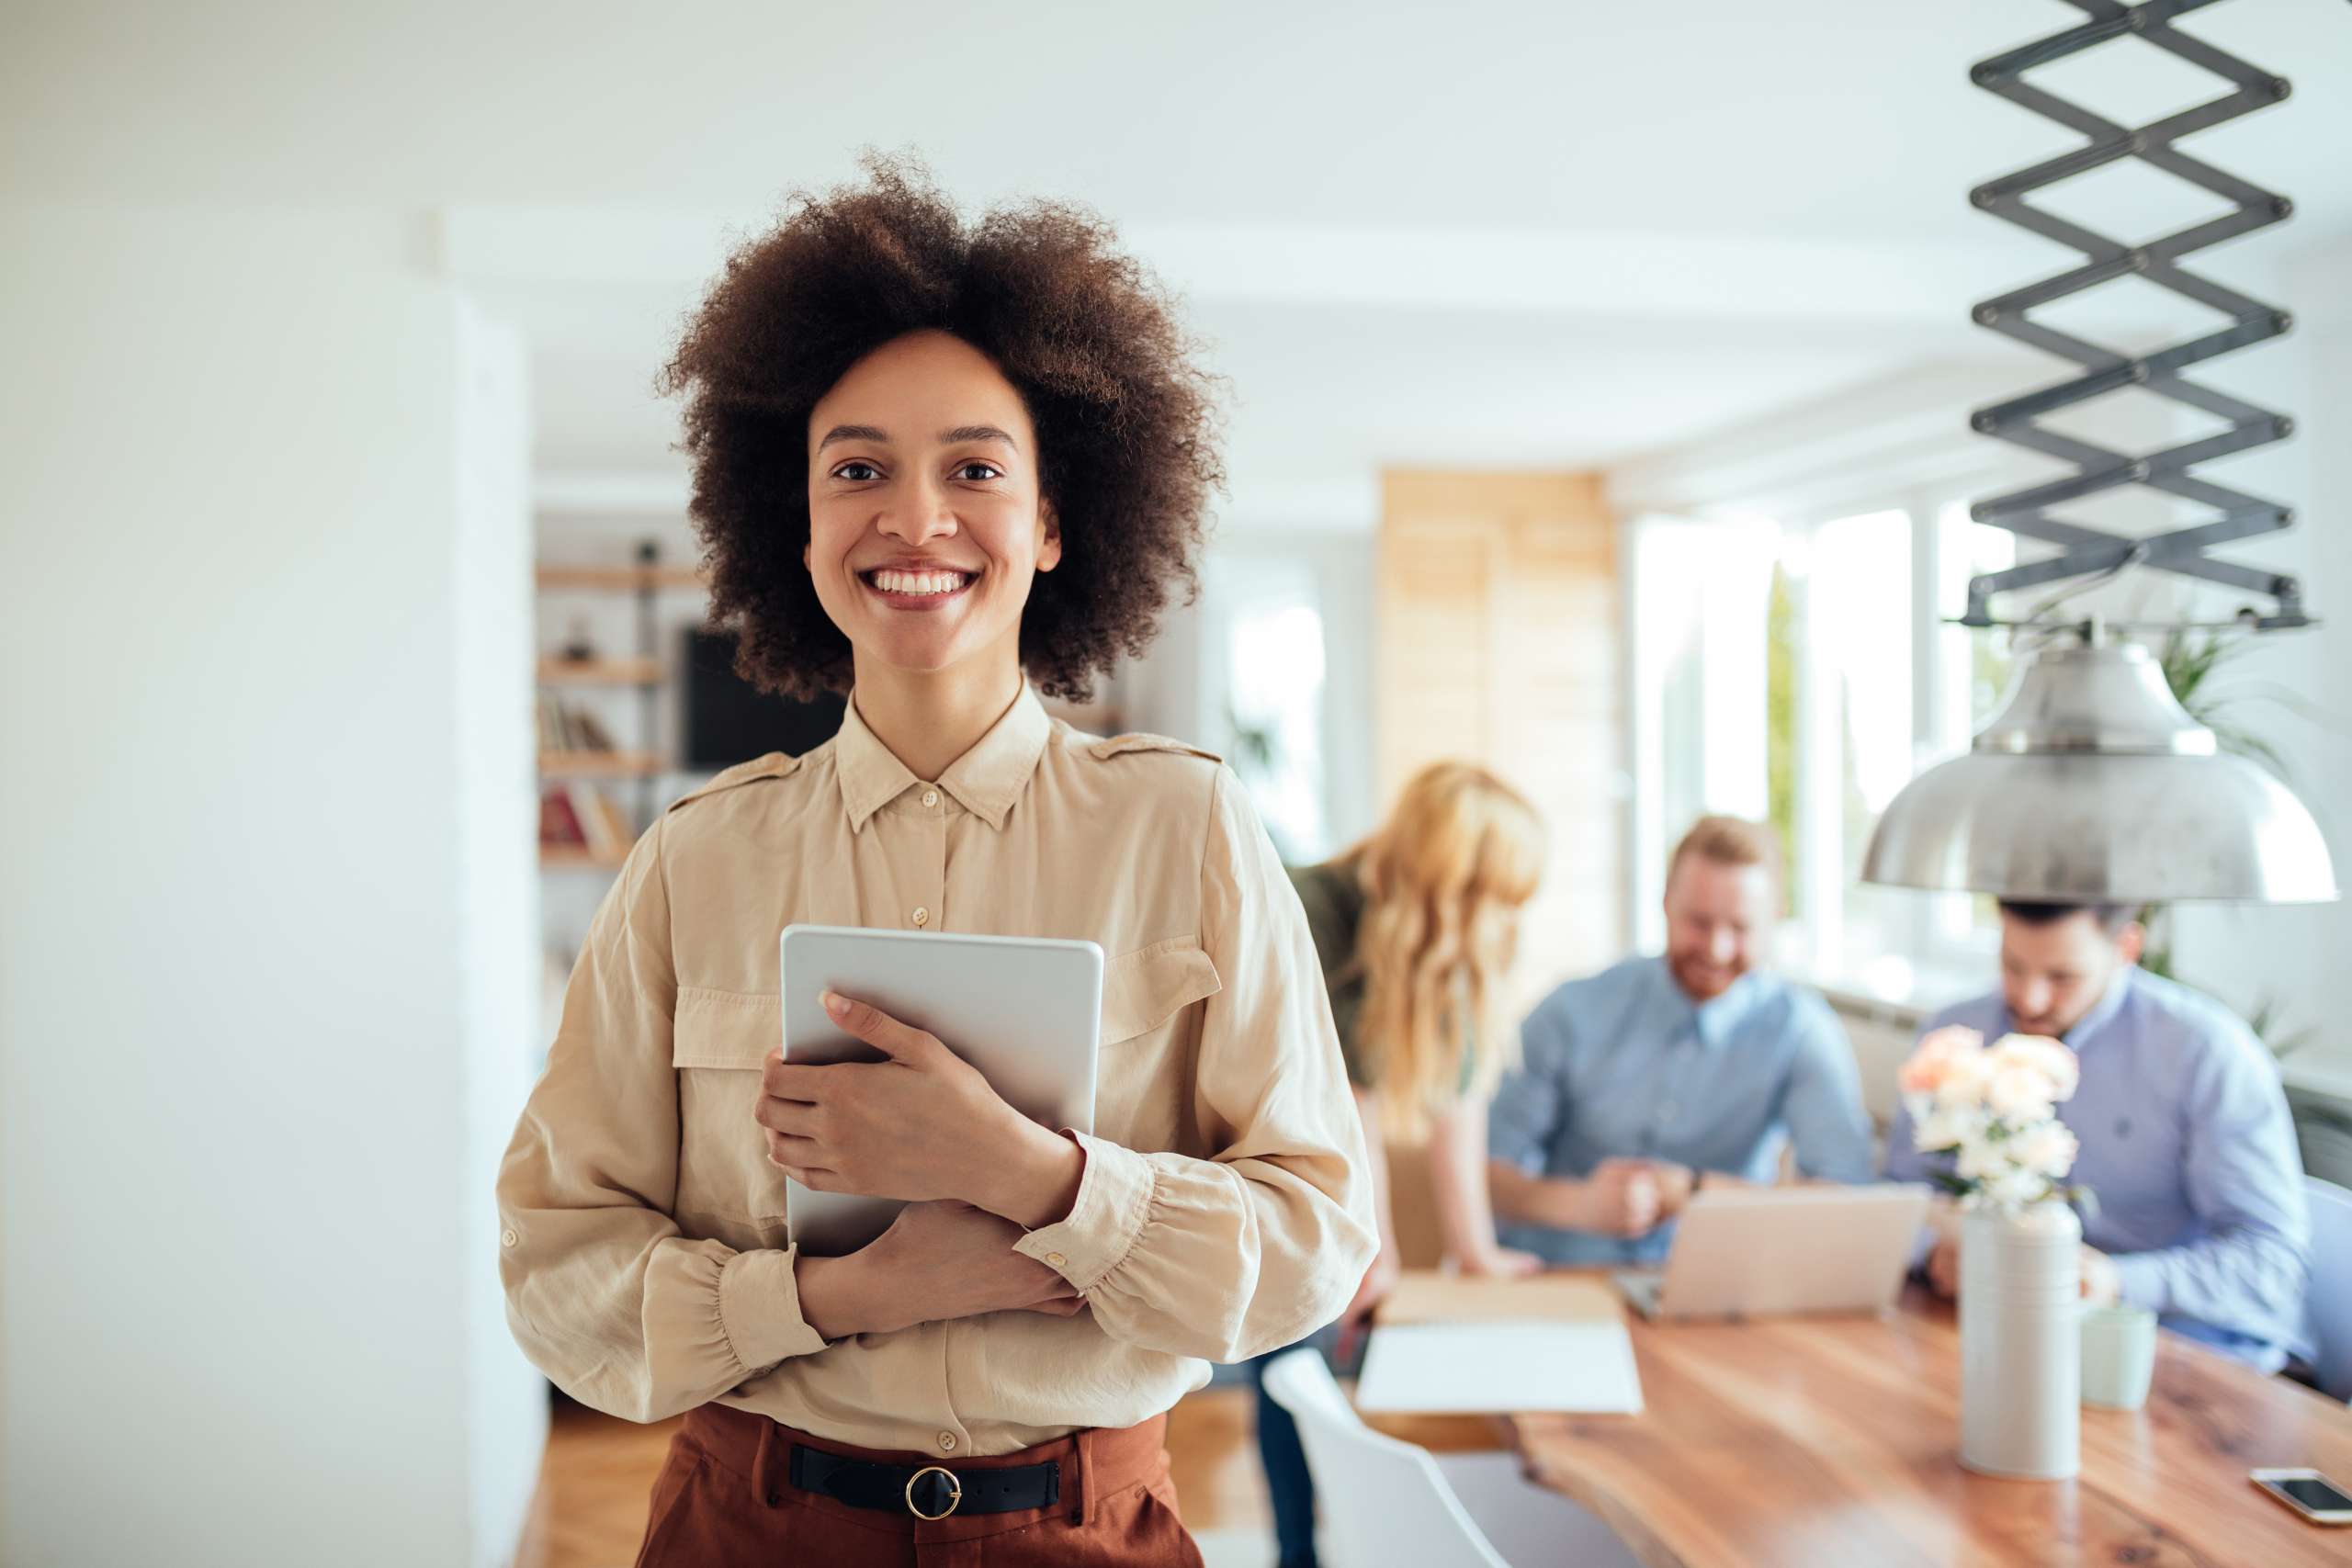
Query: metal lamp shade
{"x": 2093, "y": 786}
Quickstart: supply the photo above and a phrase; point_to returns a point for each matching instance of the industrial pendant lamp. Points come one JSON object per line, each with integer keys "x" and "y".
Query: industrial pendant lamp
{"x": 2092, "y": 784}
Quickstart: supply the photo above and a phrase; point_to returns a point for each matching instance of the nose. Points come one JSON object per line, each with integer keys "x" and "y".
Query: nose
{"x": 1723, "y": 946}
{"x": 916, "y": 512}
{"x": 2032, "y": 1000}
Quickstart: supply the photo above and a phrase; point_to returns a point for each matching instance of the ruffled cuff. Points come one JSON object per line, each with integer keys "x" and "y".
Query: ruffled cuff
{"x": 1113, "y": 1200}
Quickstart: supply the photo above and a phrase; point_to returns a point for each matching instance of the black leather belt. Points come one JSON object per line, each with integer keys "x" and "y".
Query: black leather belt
{"x": 927, "y": 1491}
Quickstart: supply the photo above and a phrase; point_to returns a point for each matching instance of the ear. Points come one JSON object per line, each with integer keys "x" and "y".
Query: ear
{"x": 1049, "y": 545}
{"x": 2131, "y": 942}
{"x": 806, "y": 564}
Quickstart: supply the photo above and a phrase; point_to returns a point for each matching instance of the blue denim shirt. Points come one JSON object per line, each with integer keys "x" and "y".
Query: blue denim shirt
{"x": 2189, "y": 1147}
{"x": 1623, "y": 1064}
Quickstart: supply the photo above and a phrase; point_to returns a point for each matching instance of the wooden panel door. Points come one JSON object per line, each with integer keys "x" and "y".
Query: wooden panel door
{"x": 1500, "y": 644}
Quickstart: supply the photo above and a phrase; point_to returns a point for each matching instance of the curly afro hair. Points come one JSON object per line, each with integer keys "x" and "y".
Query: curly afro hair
{"x": 1127, "y": 423}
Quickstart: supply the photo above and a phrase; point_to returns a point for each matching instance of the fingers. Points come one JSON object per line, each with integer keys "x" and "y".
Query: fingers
{"x": 794, "y": 1080}
{"x": 796, "y": 1158}
{"x": 868, "y": 1023}
{"x": 1059, "y": 1306}
{"x": 791, "y": 1117}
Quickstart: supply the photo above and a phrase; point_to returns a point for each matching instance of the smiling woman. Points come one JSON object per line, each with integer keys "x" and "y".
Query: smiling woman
{"x": 1088, "y": 363}
{"x": 934, "y": 465}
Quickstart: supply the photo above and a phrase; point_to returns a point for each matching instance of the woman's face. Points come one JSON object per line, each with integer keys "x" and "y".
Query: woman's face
{"x": 926, "y": 524}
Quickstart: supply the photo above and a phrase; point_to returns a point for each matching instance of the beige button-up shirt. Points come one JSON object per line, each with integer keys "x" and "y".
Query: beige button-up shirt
{"x": 1225, "y": 1210}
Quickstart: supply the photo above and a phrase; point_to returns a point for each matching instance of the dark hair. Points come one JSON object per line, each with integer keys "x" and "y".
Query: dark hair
{"x": 1125, "y": 422}
{"x": 2109, "y": 918}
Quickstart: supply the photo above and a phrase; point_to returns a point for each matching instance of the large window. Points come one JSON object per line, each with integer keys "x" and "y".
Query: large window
{"x": 1798, "y": 670}
{"x": 1271, "y": 655}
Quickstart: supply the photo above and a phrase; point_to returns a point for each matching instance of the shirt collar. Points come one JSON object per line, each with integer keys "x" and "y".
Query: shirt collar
{"x": 1717, "y": 1019}
{"x": 2094, "y": 1022}
{"x": 985, "y": 780}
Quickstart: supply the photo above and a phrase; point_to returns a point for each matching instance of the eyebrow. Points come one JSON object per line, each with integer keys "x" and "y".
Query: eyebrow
{"x": 853, "y": 433}
{"x": 962, "y": 433}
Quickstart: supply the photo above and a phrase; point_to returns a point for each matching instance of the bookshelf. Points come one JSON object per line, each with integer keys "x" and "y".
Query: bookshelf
{"x": 600, "y": 672}
{"x": 621, "y": 578}
{"x": 579, "y": 757}
{"x": 570, "y": 856}
{"x": 599, "y": 764}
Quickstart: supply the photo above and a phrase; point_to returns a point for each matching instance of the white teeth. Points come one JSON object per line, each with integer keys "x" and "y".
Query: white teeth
{"x": 890, "y": 581}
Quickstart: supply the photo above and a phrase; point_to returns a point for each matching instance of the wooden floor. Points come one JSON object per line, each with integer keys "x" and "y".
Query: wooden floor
{"x": 598, "y": 1477}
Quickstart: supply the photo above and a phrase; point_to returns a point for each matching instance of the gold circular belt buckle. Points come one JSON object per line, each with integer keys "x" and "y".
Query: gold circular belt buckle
{"x": 954, "y": 1491}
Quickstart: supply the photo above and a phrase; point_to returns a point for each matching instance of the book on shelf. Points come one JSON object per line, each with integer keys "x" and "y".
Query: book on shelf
{"x": 579, "y": 816}
{"x": 566, "y": 728}
{"x": 560, "y": 824}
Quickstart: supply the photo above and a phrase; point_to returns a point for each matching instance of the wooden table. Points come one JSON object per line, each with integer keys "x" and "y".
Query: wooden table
{"x": 1817, "y": 1442}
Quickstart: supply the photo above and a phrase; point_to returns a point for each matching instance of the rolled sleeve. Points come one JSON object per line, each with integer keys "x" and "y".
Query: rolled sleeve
{"x": 604, "y": 1293}
{"x": 1525, "y": 1116}
{"x": 1260, "y": 1243}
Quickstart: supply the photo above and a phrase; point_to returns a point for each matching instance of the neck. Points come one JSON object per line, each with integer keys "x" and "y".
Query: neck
{"x": 929, "y": 718}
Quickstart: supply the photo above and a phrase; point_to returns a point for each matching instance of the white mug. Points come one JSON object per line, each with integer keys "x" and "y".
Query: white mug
{"x": 2119, "y": 1356}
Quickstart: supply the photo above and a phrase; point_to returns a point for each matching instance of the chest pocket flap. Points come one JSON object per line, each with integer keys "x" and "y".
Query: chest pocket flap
{"x": 1143, "y": 989}
{"x": 724, "y": 1029}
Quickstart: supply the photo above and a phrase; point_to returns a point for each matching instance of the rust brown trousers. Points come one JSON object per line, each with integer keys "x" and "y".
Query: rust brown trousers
{"x": 725, "y": 1498}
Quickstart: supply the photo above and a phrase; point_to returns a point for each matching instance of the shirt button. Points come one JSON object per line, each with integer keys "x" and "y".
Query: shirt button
{"x": 922, "y": 917}
{"x": 931, "y": 797}
{"x": 947, "y": 1442}
{"x": 1056, "y": 1258}
{"x": 509, "y": 1238}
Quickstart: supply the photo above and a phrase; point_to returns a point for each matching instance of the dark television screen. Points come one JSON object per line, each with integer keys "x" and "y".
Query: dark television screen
{"x": 729, "y": 721}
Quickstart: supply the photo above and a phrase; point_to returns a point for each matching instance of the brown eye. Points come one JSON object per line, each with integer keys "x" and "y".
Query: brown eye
{"x": 857, "y": 471}
{"x": 978, "y": 472}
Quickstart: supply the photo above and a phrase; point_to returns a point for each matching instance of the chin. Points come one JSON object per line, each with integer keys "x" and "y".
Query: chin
{"x": 1706, "y": 987}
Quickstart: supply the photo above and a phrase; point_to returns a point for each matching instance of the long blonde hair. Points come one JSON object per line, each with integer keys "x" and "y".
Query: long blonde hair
{"x": 1444, "y": 879}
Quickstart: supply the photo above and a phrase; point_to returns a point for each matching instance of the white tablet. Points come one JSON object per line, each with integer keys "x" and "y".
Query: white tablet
{"x": 1026, "y": 1012}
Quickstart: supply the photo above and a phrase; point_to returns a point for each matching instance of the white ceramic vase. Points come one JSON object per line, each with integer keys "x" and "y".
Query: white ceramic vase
{"x": 2021, "y": 1345}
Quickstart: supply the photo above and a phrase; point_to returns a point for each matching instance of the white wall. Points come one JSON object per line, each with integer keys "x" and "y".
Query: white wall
{"x": 506, "y": 1411}
{"x": 2296, "y": 682}
{"x": 240, "y": 1185}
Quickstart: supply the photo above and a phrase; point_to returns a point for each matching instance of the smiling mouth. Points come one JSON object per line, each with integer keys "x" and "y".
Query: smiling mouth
{"x": 933, "y": 585}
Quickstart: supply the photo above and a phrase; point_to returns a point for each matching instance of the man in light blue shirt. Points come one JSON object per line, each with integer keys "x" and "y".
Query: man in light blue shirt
{"x": 1649, "y": 1080}
{"x": 2186, "y": 1139}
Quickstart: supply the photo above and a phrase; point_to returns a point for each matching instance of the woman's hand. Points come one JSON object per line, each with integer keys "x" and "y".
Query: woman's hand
{"x": 922, "y": 1125}
{"x": 937, "y": 1261}
{"x": 1378, "y": 1280}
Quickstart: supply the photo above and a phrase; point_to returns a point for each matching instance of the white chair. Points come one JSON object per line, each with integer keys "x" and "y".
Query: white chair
{"x": 2327, "y": 1305}
{"x": 1388, "y": 1503}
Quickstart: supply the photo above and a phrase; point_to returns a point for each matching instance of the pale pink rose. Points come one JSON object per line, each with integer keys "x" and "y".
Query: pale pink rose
{"x": 2047, "y": 1150}
{"x": 1966, "y": 1078}
{"x": 1934, "y": 1056}
{"x": 2051, "y": 1057}
{"x": 2018, "y": 1091}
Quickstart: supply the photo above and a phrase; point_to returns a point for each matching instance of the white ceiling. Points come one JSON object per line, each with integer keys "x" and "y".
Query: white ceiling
{"x": 1536, "y": 232}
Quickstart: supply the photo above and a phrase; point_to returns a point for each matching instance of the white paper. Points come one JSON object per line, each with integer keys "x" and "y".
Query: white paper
{"x": 1499, "y": 1368}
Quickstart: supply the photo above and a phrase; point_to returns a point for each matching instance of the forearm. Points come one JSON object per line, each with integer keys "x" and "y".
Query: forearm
{"x": 2233, "y": 1279}
{"x": 1553, "y": 1200}
{"x": 1458, "y": 1166}
{"x": 1035, "y": 1180}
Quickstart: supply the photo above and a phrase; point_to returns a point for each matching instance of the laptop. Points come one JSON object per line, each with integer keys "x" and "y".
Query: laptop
{"x": 1762, "y": 1251}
